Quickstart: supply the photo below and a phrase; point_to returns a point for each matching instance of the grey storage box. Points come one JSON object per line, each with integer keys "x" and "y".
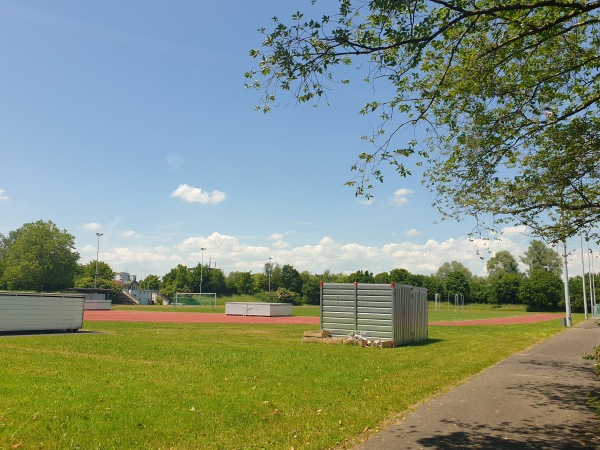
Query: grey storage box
{"x": 388, "y": 312}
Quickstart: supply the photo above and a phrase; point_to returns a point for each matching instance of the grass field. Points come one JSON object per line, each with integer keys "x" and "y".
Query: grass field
{"x": 444, "y": 313}
{"x": 218, "y": 386}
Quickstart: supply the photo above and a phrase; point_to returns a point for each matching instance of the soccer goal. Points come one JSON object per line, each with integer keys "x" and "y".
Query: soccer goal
{"x": 195, "y": 299}
{"x": 459, "y": 302}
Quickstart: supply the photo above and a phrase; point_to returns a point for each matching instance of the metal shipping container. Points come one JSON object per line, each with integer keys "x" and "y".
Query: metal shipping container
{"x": 20, "y": 311}
{"x": 375, "y": 311}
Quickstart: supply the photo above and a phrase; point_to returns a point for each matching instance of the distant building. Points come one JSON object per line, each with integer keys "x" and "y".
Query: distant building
{"x": 134, "y": 284}
{"x": 144, "y": 296}
{"x": 123, "y": 277}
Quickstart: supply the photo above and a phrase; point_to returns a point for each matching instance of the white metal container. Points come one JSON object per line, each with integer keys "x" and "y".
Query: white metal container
{"x": 34, "y": 312}
{"x": 258, "y": 309}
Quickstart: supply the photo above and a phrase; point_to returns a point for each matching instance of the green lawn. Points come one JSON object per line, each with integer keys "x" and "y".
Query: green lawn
{"x": 473, "y": 314}
{"x": 445, "y": 312}
{"x": 218, "y": 386}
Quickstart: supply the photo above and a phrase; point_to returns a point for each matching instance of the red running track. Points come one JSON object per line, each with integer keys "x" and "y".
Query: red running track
{"x": 188, "y": 317}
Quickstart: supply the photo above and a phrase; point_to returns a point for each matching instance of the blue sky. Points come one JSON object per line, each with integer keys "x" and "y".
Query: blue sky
{"x": 131, "y": 119}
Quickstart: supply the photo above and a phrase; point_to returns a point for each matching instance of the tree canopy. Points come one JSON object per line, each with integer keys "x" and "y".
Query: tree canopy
{"x": 504, "y": 94}
{"x": 542, "y": 289}
{"x": 448, "y": 267}
{"x": 540, "y": 257}
{"x": 39, "y": 257}
{"x": 501, "y": 263}
{"x": 86, "y": 278}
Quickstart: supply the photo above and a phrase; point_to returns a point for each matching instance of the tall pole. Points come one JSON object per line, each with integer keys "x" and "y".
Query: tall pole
{"x": 590, "y": 279}
{"x": 567, "y": 299}
{"x": 593, "y": 281}
{"x": 201, "y": 264}
{"x": 97, "y": 253}
{"x": 585, "y": 310}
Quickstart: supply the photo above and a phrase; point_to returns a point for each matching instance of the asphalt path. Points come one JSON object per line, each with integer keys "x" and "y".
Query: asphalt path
{"x": 535, "y": 399}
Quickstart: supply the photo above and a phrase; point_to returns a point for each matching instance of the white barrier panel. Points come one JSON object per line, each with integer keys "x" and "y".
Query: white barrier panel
{"x": 35, "y": 312}
{"x": 258, "y": 309}
{"x": 97, "y": 304}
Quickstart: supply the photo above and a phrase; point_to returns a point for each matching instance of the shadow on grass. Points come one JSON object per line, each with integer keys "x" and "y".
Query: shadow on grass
{"x": 47, "y": 333}
{"x": 422, "y": 343}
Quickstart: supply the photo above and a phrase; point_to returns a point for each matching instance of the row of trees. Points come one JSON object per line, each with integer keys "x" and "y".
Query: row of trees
{"x": 539, "y": 287}
{"x": 40, "y": 257}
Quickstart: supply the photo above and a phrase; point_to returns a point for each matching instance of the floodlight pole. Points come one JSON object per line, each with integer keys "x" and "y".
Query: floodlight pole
{"x": 97, "y": 253}
{"x": 590, "y": 279}
{"x": 567, "y": 296}
{"x": 585, "y": 310}
{"x": 201, "y": 264}
{"x": 593, "y": 285}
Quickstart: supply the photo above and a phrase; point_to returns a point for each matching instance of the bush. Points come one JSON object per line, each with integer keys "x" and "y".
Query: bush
{"x": 286, "y": 296}
{"x": 281, "y": 295}
{"x": 541, "y": 290}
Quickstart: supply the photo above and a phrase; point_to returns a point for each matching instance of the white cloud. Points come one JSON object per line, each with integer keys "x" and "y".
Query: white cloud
{"x": 365, "y": 201}
{"x": 412, "y": 232}
{"x": 175, "y": 161}
{"x": 281, "y": 244}
{"x": 129, "y": 234}
{"x": 88, "y": 248}
{"x": 159, "y": 259}
{"x": 226, "y": 250}
{"x": 231, "y": 253}
{"x": 92, "y": 226}
{"x": 400, "y": 197}
{"x": 195, "y": 195}
{"x": 3, "y": 196}
{"x": 279, "y": 241}
{"x": 519, "y": 230}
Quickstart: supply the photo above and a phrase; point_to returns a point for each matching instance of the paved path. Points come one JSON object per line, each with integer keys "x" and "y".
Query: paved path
{"x": 536, "y": 399}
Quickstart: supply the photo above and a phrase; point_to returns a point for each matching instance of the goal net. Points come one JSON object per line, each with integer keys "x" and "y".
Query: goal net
{"x": 195, "y": 299}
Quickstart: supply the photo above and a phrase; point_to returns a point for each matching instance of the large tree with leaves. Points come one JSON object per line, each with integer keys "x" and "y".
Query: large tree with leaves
{"x": 291, "y": 279}
{"x": 504, "y": 95}
{"x": 501, "y": 263}
{"x": 86, "y": 278}
{"x": 541, "y": 290}
{"x": 448, "y": 267}
{"x": 540, "y": 257}
{"x": 39, "y": 257}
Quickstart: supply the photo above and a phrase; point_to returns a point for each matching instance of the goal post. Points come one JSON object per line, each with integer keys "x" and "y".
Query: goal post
{"x": 195, "y": 299}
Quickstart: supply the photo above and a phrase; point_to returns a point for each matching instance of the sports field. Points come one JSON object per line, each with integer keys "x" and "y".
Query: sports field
{"x": 167, "y": 385}
{"x": 458, "y": 319}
